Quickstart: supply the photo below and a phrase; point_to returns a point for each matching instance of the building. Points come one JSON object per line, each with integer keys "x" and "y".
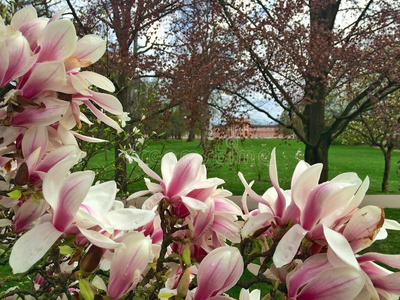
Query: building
{"x": 242, "y": 128}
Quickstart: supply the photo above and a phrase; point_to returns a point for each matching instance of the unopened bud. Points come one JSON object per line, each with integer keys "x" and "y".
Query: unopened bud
{"x": 183, "y": 285}
{"x": 92, "y": 258}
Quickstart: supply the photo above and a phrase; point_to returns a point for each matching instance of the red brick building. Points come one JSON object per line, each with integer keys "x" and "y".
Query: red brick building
{"x": 242, "y": 128}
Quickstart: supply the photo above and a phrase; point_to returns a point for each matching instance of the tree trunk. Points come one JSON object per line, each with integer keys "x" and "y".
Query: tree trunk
{"x": 120, "y": 165}
{"x": 319, "y": 154}
{"x": 203, "y": 138}
{"x": 191, "y": 135}
{"x": 388, "y": 156}
{"x": 122, "y": 141}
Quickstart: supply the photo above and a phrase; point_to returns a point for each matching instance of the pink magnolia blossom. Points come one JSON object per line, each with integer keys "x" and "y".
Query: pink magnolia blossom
{"x": 318, "y": 279}
{"x": 210, "y": 216}
{"x": 311, "y": 207}
{"x": 218, "y": 272}
{"x": 64, "y": 193}
{"x": 128, "y": 263}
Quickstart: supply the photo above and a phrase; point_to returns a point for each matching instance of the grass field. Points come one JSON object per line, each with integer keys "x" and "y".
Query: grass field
{"x": 251, "y": 158}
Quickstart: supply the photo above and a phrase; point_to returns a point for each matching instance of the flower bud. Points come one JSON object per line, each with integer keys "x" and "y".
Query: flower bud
{"x": 218, "y": 272}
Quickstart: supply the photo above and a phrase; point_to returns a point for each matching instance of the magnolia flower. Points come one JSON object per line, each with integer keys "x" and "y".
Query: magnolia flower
{"x": 128, "y": 154}
{"x": 312, "y": 208}
{"x": 128, "y": 263}
{"x": 123, "y": 118}
{"x": 179, "y": 178}
{"x": 218, "y": 272}
{"x": 318, "y": 279}
{"x": 64, "y": 193}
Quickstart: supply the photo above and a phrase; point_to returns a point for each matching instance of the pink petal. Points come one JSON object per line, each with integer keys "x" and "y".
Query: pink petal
{"x": 54, "y": 179}
{"x": 252, "y": 194}
{"x": 33, "y": 30}
{"x": 45, "y": 76}
{"x": 53, "y": 112}
{"x": 336, "y": 283}
{"x": 203, "y": 220}
{"x": 226, "y": 228}
{"x": 152, "y": 201}
{"x": 88, "y": 139}
{"x": 134, "y": 257}
{"x": 300, "y": 168}
{"x": 185, "y": 172}
{"x": 357, "y": 198}
{"x": 305, "y": 184}
{"x": 311, "y": 267}
{"x": 29, "y": 212}
{"x": 58, "y": 41}
{"x": 194, "y": 203}
{"x": 387, "y": 259}
{"x": 218, "y": 272}
{"x": 168, "y": 164}
{"x": 149, "y": 172}
{"x": 8, "y": 134}
{"x": 226, "y": 206}
{"x": 31, "y": 247}
{"x": 363, "y": 226}
{"x": 389, "y": 283}
{"x": 57, "y": 155}
{"x": 288, "y": 246}
{"x": 19, "y": 56}
{"x": 35, "y": 137}
{"x": 108, "y": 102}
{"x": 72, "y": 193}
{"x": 102, "y": 117}
{"x": 325, "y": 199}
{"x": 32, "y": 160}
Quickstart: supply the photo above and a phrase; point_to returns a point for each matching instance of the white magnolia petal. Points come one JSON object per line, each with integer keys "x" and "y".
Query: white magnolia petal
{"x": 88, "y": 139}
{"x": 98, "y": 282}
{"x": 194, "y": 203}
{"x": 341, "y": 247}
{"x": 168, "y": 163}
{"x": 391, "y": 224}
{"x": 129, "y": 218}
{"x": 100, "y": 240}
{"x": 101, "y": 196}
{"x": 31, "y": 247}
{"x": 288, "y": 246}
{"x": 90, "y": 49}
{"x": 98, "y": 80}
{"x": 23, "y": 16}
{"x": 254, "y": 223}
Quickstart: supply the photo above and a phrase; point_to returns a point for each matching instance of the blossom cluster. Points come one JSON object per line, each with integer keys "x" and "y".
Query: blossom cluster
{"x": 188, "y": 240}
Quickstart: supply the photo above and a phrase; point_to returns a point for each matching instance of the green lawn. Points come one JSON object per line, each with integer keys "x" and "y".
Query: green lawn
{"x": 250, "y": 160}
